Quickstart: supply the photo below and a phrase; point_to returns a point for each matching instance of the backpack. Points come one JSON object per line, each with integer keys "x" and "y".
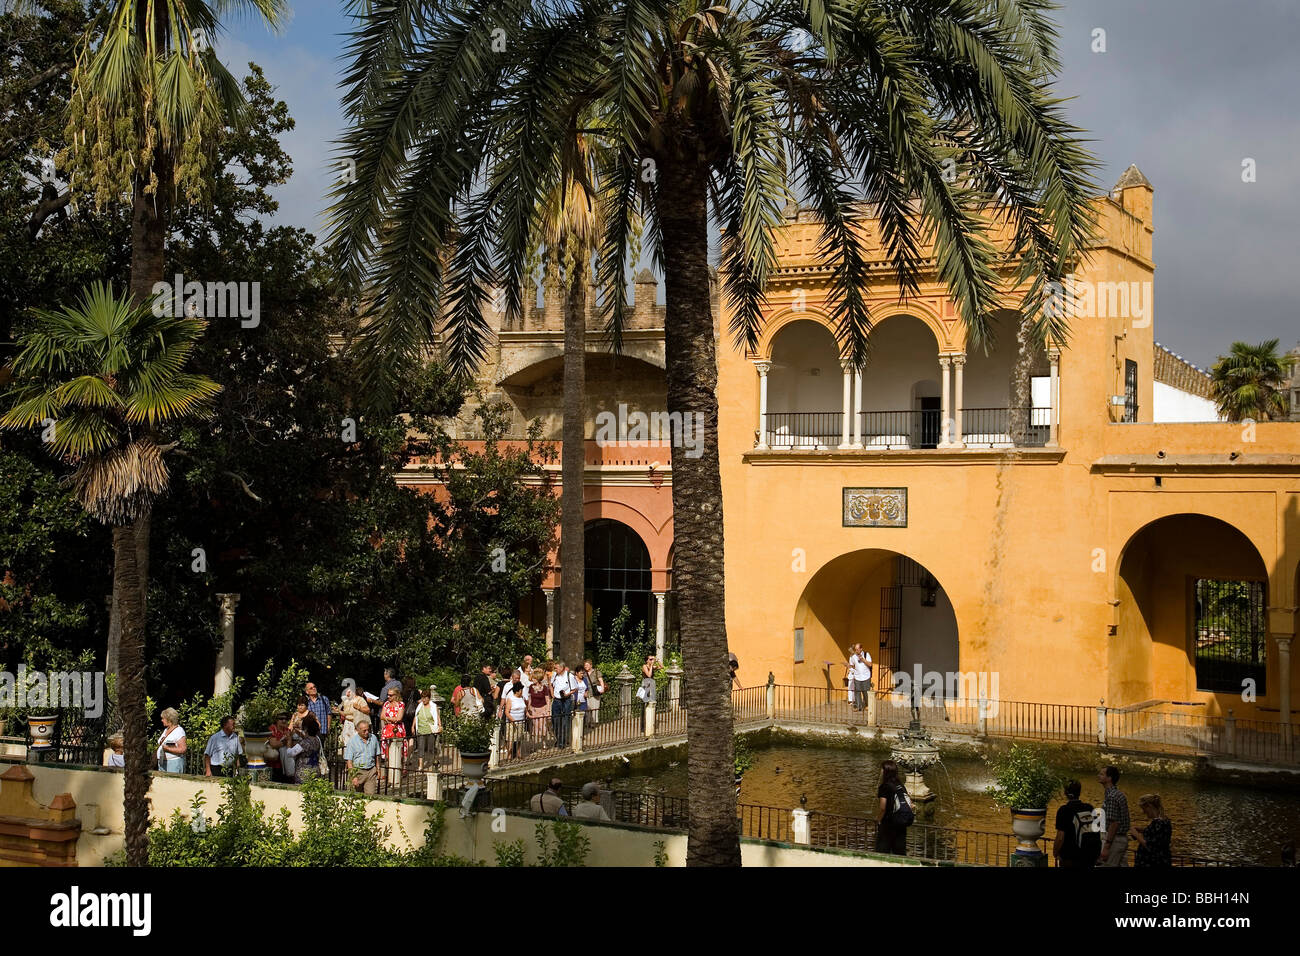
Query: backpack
{"x": 902, "y": 815}
{"x": 1088, "y": 824}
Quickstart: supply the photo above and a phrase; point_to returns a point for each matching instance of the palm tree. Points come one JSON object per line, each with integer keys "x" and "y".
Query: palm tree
{"x": 107, "y": 375}
{"x": 148, "y": 105}
{"x": 1249, "y": 382}
{"x": 462, "y": 116}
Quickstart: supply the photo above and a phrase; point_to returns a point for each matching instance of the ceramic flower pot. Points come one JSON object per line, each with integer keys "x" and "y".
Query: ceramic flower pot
{"x": 40, "y": 731}
{"x": 1028, "y": 826}
{"x": 473, "y": 765}
{"x": 255, "y": 750}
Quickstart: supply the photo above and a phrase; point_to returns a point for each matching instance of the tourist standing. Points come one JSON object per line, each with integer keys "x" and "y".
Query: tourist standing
{"x": 596, "y": 681}
{"x": 1078, "y": 843}
{"x": 550, "y": 801}
{"x": 279, "y": 734}
{"x": 223, "y": 750}
{"x": 360, "y": 757}
{"x": 299, "y": 712}
{"x": 117, "y": 744}
{"x": 563, "y": 687}
{"x": 394, "y": 726}
{"x": 306, "y": 753}
{"x": 1114, "y": 846}
{"x": 411, "y": 700}
{"x": 390, "y": 681}
{"x": 1155, "y": 839}
{"x": 895, "y": 809}
{"x": 486, "y": 687}
{"x": 352, "y": 707}
{"x": 171, "y": 745}
{"x": 539, "y": 705}
{"x": 471, "y": 702}
{"x": 647, "y": 691}
{"x": 860, "y": 664}
{"x": 427, "y": 726}
{"x": 733, "y": 664}
{"x": 590, "y": 808}
{"x": 319, "y": 705}
{"x": 514, "y": 714}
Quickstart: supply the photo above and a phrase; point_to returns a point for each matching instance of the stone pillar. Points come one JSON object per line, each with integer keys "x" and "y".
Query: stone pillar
{"x": 771, "y": 696}
{"x": 763, "y": 369}
{"x": 1101, "y": 722}
{"x": 433, "y": 786}
{"x": 661, "y": 623}
{"x": 624, "y": 680}
{"x": 1054, "y": 419}
{"x": 575, "y": 731}
{"x": 649, "y": 720}
{"x": 1284, "y": 686}
{"x": 959, "y": 401}
{"x": 674, "y": 673}
{"x": 945, "y": 402}
{"x": 847, "y": 367}
{"x": 1230, "y": 733}
{"x": 857, "y": 408}
{"x": 226, "y": 656}
{"x": 494, "y": 755}
{"x": 550, "y": 621}
{"x": 395, "y": 763}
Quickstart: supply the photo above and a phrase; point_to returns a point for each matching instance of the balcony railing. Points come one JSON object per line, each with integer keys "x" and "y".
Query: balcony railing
{"x": 910, "y": 428}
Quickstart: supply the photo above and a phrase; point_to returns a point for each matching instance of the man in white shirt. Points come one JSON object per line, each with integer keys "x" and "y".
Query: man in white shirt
{"x": 860, "y": 663}
{"x": 563, "y": 688}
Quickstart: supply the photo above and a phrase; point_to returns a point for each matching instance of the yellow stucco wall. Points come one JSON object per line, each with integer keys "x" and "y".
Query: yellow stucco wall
{"x": 1028, "y": 547}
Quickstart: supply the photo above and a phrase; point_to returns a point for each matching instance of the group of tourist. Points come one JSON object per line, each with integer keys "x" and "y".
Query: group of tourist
{"x": 1088, "y": 837}
{"x": 536, "y": 703}
{"x": 551, "y": 802}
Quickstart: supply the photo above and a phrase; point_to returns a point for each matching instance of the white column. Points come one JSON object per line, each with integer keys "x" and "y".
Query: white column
{"x": 945, "y": 403}
{"x": 226, "y": 656}
{"x": 847, "y": 367}
{"x": 1284, "y": 685}
{"x": 959, "y": 401}
{"x": 763, "y": 369}
{"x": 857, "y": 408}
{"x": 1054, "y": 419}
{"x": 660, "y": 624}
{"x": 550, "y": 621}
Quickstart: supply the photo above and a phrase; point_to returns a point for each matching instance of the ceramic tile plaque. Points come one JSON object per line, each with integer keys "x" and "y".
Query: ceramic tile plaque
{"x": 875, "y": 507}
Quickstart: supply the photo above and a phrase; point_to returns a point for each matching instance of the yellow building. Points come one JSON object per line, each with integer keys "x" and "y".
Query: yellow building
{"x": 1074, "y": 551}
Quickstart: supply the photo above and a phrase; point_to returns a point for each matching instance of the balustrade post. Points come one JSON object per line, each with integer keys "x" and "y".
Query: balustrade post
{"x": 674, "y": 672}
{"x": 649, "y": 719}
{"x": 395, "y": 762}
{"x": 433, "y": 786}
{"x": 799, "y": 826}
{"x": 1101, "y": 722}
{"x": 624, "y": 680}
{"x": 1230, "y": 733}
{"x": 576, "y": 732}
{"x": 771, "y": 696}
{"x": 494, "y": 756}
{"x": 984, "y": 717}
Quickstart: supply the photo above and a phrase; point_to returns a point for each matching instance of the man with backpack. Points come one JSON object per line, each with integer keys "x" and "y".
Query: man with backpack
{"x": 1078, "y": 835}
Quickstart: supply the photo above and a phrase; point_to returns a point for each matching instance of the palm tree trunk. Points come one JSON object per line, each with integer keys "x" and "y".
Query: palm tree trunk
{"x": 691, "y": 353}
{"x": 131, "y": 695}
{"x": 112, "y": 663}
{"x": 573, "y": 603}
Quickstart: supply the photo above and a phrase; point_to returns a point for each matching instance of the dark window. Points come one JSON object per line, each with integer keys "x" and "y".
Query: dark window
{"x": 1229, "y": 635}
{"x": 617, "y": 576}
{"x": 1130, "y": 390}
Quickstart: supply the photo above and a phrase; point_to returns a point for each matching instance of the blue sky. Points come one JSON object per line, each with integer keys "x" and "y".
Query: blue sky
{"x": 1186, "y": 89}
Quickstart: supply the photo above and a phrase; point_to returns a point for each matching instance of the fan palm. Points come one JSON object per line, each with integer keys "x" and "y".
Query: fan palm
{"x": 148, "y": 104}
{"x": 1249, "y": 382}
{"x": 462, "y": 117}
{"x": 105, "y": 379}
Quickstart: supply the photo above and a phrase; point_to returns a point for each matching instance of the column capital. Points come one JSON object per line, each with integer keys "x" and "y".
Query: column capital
{"x": 846, "y": 364}
{"x": 1054, "y": 353}
{"x": 945, "y": 361}
{"x": 958, "y": 359}
{"x": 228, "y": 603}
{"x": 763, "y": 366}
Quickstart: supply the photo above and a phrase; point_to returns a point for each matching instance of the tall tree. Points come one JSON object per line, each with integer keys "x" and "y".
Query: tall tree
{"x": 461, "y": 113}
{"x": 1250, "y": 382}
{"x": 105, "y": 378}
{"x": 148, "y": 105}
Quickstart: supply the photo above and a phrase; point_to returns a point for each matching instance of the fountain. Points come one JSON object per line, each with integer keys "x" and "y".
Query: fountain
{"x": 915, "y": 753}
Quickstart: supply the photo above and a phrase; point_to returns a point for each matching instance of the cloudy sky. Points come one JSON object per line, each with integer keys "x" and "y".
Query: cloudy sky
{"x": 1186, "y": 89}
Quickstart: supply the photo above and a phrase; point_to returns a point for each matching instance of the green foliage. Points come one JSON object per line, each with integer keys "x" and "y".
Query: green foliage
{"x": 568, "y": 847}
{"x": 661, "y": 853}
{"x": 470, "y": 734}
{"x": 335, "y": 832}
{"x": 271, "y": 696}
{"x": 743, "y": 755}
{"x": 444, "y": 678}
{"x": 1249, "y": 382}
{"x": 1023, "y": 780}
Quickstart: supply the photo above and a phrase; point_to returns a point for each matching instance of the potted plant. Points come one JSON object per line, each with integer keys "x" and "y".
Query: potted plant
{"x": 1023, "y": 783}
{"x": 255, "y": 719}
{"x": 472, "y": 736}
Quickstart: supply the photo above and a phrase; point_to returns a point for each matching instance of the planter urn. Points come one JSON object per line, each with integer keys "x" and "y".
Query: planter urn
{"x": 1028, "y": 825}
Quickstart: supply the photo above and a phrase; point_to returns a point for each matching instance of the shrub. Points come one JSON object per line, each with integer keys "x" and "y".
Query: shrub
{"x": 1022, "y": 779}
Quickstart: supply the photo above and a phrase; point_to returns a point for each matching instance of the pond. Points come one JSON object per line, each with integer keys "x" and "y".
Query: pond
{"x": 1213, "y": 820}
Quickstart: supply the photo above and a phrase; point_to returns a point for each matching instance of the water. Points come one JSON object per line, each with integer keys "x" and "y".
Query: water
{"x": 1215, "y": 820}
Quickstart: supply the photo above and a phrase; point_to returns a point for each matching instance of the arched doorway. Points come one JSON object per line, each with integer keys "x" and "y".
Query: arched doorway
{"x": 891, "y": 605}
{"x": 1193, "y": 599}
{"x": 617, "y": 575}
